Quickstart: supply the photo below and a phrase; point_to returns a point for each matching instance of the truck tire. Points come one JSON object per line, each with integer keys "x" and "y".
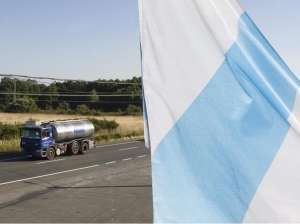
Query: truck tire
{"x": 74, "y": 148}
{"x": 50, "y": 153}
{"x": 84, "y": 148}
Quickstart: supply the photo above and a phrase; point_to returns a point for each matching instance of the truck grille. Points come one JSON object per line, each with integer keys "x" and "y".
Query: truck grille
{"x": 30, "y": 146}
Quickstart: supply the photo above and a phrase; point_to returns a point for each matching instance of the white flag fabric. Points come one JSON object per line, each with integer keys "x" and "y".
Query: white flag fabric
{"x": 221, "y": 115}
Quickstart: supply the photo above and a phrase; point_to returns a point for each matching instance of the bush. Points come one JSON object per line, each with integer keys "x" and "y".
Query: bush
{"x": 9, "y": 132}
{"x": 133, "y": 110}
{"x": 108, "y": 136}
{"x": 2, "y": 107}
{"x": 64, "y": 106}
{"x": 103, "y": 124}
{"x": 135, "y": 134}
{"x": 1, "y": 128}
{"x": 82, "y": 109}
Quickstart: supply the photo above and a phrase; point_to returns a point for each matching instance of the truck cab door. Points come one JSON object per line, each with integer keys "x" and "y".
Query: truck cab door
{"x": 47, "y": 139}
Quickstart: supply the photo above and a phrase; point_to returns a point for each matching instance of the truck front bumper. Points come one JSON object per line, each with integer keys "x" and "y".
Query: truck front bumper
{"x": 38, "y": 153}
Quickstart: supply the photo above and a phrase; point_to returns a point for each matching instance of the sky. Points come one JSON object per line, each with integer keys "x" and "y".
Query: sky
{"x": 99, "y": 39}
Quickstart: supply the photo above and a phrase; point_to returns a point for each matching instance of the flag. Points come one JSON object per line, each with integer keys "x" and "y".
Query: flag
{"x": 221, "y": 115}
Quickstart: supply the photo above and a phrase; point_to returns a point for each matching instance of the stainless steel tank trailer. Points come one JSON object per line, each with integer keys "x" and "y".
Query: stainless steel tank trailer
{"x": 57, "y": 137}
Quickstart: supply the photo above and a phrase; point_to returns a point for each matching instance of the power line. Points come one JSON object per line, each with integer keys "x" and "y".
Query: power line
{"x": 61, "y": 95}
{"x": 68, "y": 90}
{"x": 66, "y": 80}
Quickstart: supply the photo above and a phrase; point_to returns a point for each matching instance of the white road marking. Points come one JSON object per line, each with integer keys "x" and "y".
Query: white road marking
{"x": 142, "y": 156}
{"x": 101, "y": 146}
{"x": 51, "y": 161}
{"x": 111, "y": 162}
{"x": 127, "y": 149}
{"x": 47, "y": 175}
{"x": 127, "y": 159}
{"x": 14, "y": 158}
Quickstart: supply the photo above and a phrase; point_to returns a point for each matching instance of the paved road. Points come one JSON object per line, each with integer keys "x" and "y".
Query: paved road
{"x": 111, "y": 183}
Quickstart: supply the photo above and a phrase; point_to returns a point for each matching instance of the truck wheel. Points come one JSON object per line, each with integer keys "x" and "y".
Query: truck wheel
{"x": 84, "y": 148}
{"x": 50, "y": 153}
{"x": 74, "y": 148}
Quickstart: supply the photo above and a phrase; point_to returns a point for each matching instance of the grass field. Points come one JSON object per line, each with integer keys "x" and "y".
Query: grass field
{"x": 130, "y": 127}
{"x": 15, "y": 118}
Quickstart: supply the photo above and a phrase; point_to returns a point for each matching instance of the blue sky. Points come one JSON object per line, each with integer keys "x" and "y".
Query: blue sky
{"x": 278, "y": 20}
{"x": 99, "y": 39}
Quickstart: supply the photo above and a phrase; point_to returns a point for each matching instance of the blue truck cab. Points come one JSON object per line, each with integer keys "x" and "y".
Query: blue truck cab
{"x": 36, "y": 140}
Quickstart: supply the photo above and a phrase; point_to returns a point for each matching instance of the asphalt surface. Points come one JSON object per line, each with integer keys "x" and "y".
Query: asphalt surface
{"x": 109, "y": 184}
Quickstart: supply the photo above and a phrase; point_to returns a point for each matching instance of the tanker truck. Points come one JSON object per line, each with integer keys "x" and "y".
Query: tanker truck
{"x": 55, "y": 138}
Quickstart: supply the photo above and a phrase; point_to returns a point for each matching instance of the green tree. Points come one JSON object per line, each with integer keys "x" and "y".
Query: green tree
{"x": 23, "y": 105}
{"x": 33, "y": 87}
{"x": 47, "y": 101}
{"x": 94, "y": 96}
{"x": 7, "y": 86}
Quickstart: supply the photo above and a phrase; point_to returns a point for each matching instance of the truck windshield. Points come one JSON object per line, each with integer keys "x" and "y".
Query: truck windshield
{"x": 30, "y": 133}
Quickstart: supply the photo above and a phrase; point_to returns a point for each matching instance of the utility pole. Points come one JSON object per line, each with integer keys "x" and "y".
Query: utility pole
{"x": 15, "y": 90}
